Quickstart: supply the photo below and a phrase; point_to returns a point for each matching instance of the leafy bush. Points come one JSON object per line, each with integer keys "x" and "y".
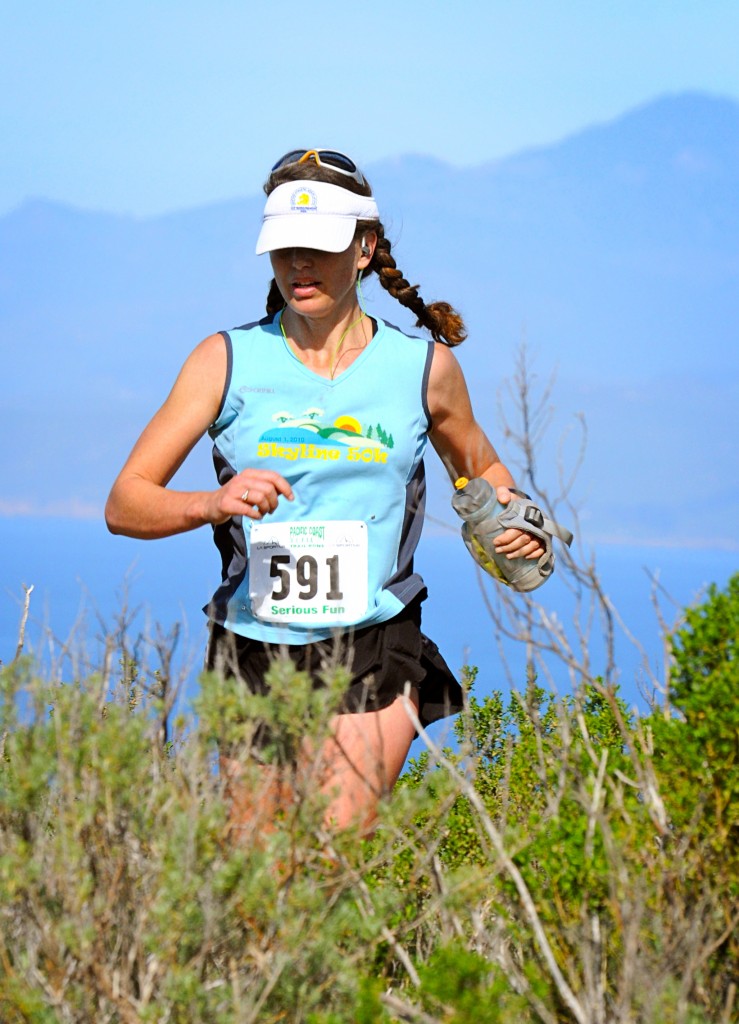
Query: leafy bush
{"x": 700, "y": 747}
{"x": 697, "y": 762}
{"x": 563, "y": 862}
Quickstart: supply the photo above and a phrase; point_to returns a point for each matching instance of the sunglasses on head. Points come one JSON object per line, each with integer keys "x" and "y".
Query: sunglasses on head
{"x": 328, "y": 157}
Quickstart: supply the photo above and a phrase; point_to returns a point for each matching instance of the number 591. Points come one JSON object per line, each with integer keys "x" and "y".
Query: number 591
{"x": 305, "y": 575}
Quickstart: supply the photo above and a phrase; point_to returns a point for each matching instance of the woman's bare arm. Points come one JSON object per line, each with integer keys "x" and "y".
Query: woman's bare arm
{"x": 141, "y": 505}
{"x": 463, "y": 446}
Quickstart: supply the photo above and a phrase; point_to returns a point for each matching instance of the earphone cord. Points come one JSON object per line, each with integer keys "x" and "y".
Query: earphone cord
{"x": 334, "y": 359}
{"x": 360, "y": 296}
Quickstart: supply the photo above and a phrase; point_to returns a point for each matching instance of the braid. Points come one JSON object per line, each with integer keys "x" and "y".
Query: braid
{"x": 441, "y": 319}
{"x": 275, "y": 300}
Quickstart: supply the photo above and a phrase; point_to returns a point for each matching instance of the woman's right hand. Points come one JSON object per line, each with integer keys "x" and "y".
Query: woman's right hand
{"x": 253, "y": 493}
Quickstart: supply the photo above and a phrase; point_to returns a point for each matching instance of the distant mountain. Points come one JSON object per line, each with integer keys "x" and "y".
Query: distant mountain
{"x": 615, "y": 253}
{"x": 623, "y": 235}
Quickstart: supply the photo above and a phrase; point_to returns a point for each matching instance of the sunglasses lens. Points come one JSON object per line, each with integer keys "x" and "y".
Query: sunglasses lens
{"x": 289, "y": 158}
{"x": 339, "y": 160}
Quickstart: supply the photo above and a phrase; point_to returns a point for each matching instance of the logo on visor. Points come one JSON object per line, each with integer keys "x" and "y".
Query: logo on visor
{"x": 303, "y": 200}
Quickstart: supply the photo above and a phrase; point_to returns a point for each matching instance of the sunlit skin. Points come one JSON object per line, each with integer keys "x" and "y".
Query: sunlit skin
{"x": 365, "y": 755}
{"x": 320, "y": 291}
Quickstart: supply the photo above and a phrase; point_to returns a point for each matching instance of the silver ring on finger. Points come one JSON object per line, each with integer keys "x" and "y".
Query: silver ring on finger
{"x": 245, "y": 496}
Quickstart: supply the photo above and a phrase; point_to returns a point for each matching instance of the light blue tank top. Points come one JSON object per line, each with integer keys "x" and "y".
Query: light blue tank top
{"x": 352, "y": 449}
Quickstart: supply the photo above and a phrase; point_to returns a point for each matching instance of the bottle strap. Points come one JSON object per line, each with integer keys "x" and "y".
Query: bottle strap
{"x": 548, "y": 525}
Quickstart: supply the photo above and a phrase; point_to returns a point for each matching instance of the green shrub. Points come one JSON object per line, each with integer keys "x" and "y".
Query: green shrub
{"x": 562, "y": 862}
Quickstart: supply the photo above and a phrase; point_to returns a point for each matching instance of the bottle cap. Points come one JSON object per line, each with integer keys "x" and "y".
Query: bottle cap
{"x": 461, "y": 482}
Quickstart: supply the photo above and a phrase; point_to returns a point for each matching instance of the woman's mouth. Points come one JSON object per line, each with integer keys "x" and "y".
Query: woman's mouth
{"x": 302, "y": 289}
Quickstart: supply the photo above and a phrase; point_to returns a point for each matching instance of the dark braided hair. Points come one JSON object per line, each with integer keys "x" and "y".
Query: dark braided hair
{"x": 439, "y": 318}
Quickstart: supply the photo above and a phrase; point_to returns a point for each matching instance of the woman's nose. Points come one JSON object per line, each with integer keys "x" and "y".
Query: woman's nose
{"x": 300, "y": 257}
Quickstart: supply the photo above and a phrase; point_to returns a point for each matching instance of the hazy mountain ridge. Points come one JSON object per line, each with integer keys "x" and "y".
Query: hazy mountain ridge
{"x": 615, "y": 252}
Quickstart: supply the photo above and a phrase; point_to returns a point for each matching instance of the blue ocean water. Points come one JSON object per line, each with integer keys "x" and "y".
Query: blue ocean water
{"x": 82, "y": 576}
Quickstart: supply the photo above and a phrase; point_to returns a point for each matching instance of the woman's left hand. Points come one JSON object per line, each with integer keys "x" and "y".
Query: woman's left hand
{"x": 516, "y": 543}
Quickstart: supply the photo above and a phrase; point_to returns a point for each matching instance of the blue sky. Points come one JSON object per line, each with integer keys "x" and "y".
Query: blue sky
{"x": 154, "y": 106}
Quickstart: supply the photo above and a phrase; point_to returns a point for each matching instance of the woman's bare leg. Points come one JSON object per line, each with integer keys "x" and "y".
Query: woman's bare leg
{"x": 254, "y": 806}
{"x": 360, "y": 762}
{"x": 354, "y": 767}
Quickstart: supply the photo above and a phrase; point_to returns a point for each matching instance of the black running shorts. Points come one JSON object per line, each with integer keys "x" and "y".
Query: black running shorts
{"x": 383, "y": 658}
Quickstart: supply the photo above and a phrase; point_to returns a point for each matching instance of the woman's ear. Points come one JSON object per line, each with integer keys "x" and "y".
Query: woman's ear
{"x": 367, "y": 243}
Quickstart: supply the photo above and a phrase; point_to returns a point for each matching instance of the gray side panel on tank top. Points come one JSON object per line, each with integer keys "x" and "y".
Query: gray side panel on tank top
{"x": 231, "y": 543}
{"x": 406, "y": 584}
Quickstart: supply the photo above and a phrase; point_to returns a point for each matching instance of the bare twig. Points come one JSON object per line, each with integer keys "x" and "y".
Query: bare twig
{"x": 24, "y": 619}
{"x": 408, "y": 1013}
{"x": 563, "y": 988}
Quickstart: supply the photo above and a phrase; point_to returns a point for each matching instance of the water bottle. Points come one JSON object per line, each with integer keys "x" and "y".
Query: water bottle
{"x": 476, "y": 502}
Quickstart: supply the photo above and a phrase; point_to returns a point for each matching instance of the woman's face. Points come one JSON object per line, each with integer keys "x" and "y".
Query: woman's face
{"x": 319, "y": 284}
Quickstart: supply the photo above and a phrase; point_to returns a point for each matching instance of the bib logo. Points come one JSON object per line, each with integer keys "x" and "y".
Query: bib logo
{"x": 305, "y": 437}
{"x": 303, "y": 200}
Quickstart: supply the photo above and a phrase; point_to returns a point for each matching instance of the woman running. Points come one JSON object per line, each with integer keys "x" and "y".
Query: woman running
{"x": 320, "y": 416}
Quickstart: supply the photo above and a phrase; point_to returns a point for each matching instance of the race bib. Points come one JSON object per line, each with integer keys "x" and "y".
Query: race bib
{"x": 308, "y": 573}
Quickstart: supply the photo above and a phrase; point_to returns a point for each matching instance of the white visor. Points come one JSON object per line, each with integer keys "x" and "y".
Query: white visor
{"x": 312, "y": 215}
